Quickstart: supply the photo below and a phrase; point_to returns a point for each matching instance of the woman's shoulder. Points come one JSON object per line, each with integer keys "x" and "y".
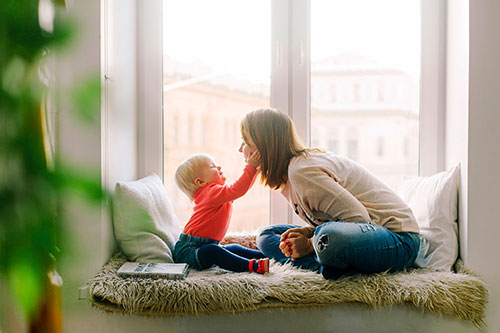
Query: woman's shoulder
{"x": 311, "y": 160}
{"x": 314, "y": 158}
{"x": 336, "y": 166}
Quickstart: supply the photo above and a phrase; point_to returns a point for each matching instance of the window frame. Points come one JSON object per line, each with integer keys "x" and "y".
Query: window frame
{"x": 149, "y": 48}
{"x": 432, "y": 135}
{"x": 290, "y": 68}
{"x": 290, "y": 84}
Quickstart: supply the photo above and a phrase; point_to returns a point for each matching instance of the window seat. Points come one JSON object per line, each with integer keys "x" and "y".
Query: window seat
{"x": 462, "y": 294}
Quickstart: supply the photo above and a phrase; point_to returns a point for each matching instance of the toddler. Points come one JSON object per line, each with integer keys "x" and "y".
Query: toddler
{"x": 203, "y": 182}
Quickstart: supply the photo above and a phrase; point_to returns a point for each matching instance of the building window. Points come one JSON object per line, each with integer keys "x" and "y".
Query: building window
{"x": 190, "y": 132}
{"x": 333, "y": 93}
{"x": 315, "y": 143}
{"x": 333, "y": 146}
{"x": 356, "y": 92}
{"x": 204, "y": 133}
{"x": 380, "y": 92}
{"x": 380, "y": 146}
{"x": 406, "y": 147}
{"x": 352, "y": 149}
{"x": 175, "y": 129}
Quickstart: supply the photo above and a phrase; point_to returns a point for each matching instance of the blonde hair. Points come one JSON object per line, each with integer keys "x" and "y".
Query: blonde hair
{"x": 187, "y": 172}
{"x": 276, "y": 139}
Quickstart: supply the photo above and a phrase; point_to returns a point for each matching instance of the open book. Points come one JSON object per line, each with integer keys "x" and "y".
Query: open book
{"x": 153, "y": 270}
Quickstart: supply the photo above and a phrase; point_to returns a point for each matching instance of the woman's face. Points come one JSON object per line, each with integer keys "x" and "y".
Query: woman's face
{"x": 247, "y": 147}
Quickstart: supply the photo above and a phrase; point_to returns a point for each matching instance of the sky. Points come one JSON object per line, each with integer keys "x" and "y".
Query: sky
{"x": 235, "y": 35}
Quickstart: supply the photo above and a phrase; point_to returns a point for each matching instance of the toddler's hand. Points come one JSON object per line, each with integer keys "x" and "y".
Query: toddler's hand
{"x": 254, "y": 159}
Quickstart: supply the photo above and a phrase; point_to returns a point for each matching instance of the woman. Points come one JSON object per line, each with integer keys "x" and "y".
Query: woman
{"x": 356, "y": 224}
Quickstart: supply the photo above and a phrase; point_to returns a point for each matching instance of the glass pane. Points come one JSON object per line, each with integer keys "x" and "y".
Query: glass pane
{"x": 365, "y": 65}
{"x": 216, "y": 68}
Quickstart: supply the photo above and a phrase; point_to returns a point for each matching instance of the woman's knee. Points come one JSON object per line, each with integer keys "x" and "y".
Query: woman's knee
{"x": 336, "y": 234}
{"x": 268, "y": 234}
{"x": 275, "y": 229}
{"x": 330, "y": 243}
{"x": 262, "y": 239}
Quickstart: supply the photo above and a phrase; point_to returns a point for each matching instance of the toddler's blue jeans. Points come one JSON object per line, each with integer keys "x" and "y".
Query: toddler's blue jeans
{"x": 347, "y": 248}
{"x": 201, "y": 253}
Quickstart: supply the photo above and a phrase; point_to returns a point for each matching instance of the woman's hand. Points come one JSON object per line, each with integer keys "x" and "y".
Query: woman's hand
{"x": 296, "y": 243}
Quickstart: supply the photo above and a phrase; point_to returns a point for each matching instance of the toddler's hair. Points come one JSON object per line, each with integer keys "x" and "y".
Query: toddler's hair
{"x": 187, "y": 172}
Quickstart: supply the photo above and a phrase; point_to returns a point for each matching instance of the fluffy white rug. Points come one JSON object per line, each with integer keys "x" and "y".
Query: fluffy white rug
{"x": 462, "y": 295}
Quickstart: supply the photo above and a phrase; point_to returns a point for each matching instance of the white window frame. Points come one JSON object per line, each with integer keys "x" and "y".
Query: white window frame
{"x": 432, "y": 87}
{"x": 290, "y": 80}
{"x": 290, "y": 84}
{"x": 150, "y": 87}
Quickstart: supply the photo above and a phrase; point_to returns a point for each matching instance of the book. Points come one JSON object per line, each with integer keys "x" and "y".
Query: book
{"x": 153, "y": 270}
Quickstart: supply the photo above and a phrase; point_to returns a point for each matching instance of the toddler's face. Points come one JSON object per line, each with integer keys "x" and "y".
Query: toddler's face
{"x": 211, "y": 173}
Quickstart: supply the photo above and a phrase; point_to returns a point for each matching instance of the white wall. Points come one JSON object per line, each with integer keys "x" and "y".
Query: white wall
{"x": 109, "y": 146}
{"x": 472, "y": 119}
{"x": 484, "y": 150}
{"x": 79, "y": 143}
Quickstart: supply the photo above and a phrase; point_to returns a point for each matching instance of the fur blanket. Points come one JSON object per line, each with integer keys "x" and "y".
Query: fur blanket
{"x": 462, "y": 295}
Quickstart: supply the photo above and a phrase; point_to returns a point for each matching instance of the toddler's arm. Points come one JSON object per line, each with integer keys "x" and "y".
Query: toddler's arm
{"x": 226, "y": 193}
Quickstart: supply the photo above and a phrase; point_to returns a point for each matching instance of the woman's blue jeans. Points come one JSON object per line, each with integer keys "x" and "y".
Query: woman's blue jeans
{"x": 346, "y": 248}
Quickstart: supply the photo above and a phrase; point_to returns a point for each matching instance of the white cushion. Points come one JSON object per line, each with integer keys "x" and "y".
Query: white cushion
{"x": 145, "y": 225}
{"x": 434, "y": 202}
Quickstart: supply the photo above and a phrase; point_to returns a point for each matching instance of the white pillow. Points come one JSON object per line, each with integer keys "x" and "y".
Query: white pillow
{"x": 434, "y": 202}
{"x": 145, "y": 225}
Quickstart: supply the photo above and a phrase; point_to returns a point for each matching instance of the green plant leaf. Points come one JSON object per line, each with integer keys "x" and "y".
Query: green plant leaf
{"x": 87, "y": 98}
{"x": 26, "y": 280}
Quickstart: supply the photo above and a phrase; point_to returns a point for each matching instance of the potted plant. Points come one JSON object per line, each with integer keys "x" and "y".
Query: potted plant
{"x": 33, "y": 179}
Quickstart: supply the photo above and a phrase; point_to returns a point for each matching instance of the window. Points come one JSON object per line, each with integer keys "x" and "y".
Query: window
{"x": 216, "y": 67}
{"x": 302, "y": 36}
{"x": 355, "y": 44}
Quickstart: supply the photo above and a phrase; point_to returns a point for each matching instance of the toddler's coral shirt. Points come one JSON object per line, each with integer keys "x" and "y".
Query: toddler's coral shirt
{"x": 214, "y": 204}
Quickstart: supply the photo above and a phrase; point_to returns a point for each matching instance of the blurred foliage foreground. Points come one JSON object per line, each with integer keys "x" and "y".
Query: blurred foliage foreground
{"x": 33, "y": 181}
